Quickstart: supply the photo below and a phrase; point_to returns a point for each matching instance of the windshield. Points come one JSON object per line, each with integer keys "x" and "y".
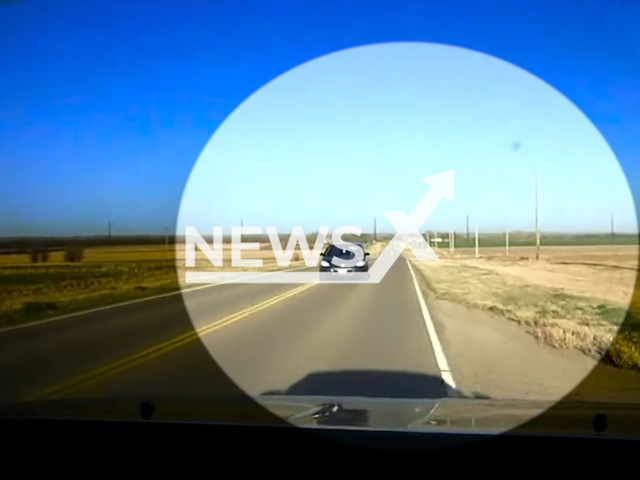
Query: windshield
{"x": 334, "y": 251}
{"x": 165, "y": 202}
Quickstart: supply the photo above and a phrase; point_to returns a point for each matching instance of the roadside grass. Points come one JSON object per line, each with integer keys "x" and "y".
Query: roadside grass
{"x": 598, "y": 327}
{"x": 30, "y": 293}
{"x": 376, "y": 248}
{"x": 624, "y": 351}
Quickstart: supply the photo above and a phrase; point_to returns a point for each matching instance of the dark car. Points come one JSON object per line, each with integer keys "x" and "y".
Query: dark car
{"x": 328, "y": 265}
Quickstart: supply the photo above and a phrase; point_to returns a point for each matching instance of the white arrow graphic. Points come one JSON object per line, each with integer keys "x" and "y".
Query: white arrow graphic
{"x": 407, "y": 228}
{"x": 407, "y": 234}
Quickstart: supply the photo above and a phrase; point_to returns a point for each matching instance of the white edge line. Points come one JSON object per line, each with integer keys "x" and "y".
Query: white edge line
{"x": 131, "y": 302}
{"x": 441, "y": 360}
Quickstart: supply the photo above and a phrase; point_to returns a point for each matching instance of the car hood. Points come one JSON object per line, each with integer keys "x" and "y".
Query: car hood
{"x": 337, "y": 258}
{"x": 459, "y": 415}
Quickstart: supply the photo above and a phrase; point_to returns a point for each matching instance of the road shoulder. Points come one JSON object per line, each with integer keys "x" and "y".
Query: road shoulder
{"x": 490, "y": 356}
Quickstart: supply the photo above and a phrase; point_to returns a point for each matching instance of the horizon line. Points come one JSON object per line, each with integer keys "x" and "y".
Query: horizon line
{"x": 384, "y": 233}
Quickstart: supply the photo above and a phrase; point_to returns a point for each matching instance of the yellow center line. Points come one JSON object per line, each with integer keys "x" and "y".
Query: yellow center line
{"x": 127, "y": 363}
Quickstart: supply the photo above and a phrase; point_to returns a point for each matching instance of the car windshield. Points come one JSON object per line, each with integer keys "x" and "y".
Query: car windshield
{"x": 172, "y": 188}
{"x": 335, "y": 251}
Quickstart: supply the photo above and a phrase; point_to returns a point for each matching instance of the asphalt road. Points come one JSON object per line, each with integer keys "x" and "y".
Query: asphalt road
{"x": 324, "y": 339}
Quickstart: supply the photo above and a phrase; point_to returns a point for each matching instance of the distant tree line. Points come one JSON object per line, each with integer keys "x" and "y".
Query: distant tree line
{"x": 56, "y": 244}
{"x": 72, "y": 254}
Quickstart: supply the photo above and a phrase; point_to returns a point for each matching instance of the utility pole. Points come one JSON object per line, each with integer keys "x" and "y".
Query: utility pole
{"x": 477, "y": 253}
{"x": 507, "y": 241}
{"x": 240, "y": 223}
{"x": 374, "y": 230}
{"x": 109, "y": 230}
{"x": 612, "y": 235}
{"x": 467, "y": 227}
{"x": 537, "y": 220}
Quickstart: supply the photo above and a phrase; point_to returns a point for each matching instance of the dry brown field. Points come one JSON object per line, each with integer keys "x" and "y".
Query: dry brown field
{"x": 572, "y": 297}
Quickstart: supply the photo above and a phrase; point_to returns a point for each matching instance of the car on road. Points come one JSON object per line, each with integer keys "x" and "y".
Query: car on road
{"x": 341, "y": 256}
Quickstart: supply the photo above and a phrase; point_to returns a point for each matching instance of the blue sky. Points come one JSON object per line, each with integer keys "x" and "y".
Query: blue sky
{"x": 105, "y": 108}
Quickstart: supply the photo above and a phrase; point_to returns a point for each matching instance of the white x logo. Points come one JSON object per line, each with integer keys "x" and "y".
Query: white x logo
{"x": 407, "y": 233}
{"x": 407, "y": 227}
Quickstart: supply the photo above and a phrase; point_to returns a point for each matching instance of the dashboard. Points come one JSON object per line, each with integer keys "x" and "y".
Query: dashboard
{"x": 124, "y": 448}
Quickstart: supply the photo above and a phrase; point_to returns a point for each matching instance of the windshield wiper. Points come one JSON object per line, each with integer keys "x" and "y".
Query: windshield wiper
{"x": 334, "y": 414}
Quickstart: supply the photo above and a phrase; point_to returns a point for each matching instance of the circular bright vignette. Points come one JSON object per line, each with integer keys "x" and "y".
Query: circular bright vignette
{"x": 345, "y": 137}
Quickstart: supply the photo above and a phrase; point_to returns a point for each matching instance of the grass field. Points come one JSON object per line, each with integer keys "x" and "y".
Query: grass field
{"x": 582, "y": 297}
{"x": 106, "y": 275}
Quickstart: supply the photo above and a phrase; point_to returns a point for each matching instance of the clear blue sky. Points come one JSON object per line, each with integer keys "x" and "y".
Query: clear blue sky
{"x": 106, "y": 106}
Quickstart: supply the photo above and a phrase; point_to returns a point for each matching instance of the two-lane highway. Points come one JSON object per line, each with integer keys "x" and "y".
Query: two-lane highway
{"x": 323, "y": 339}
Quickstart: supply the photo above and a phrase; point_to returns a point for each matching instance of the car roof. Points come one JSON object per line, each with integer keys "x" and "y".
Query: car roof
{"x": 356, "y": 243}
